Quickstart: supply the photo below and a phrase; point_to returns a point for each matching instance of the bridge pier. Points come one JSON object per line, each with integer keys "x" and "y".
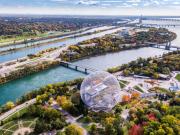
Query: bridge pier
{"x": 76, "y": 68}
{"x": 86, "y": 71}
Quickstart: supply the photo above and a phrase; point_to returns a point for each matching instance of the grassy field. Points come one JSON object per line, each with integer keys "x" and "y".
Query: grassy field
{"x": 122, "y": 85}
{"x": 12, "y": 126}
{"x": 125, "y": 82}
{"x": 13, "y": 39}
{"x": 178, "y": 77}
{"x": 138, "y": 88}
{"x": 16, "y": 115}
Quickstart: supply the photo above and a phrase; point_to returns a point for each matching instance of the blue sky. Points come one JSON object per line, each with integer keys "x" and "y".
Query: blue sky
{"x": 91, "y": 7}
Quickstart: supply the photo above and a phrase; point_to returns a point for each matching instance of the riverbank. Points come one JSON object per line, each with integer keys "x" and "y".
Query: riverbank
{"x": 53, "y": 40}
{"x": 152, "y": 68}
{"x": 28, "y": 69}
{"x": 115, "y": 43}
{"x": 35, "y": 39}
{"x": 100, "y": 46}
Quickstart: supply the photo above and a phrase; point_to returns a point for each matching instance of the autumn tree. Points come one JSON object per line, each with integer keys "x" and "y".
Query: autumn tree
{"x": 74, "y": 130}
{"x": 9, "y": 105}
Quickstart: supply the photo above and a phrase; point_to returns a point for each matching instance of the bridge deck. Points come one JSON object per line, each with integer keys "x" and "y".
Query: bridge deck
{"x": 77, "y": 67}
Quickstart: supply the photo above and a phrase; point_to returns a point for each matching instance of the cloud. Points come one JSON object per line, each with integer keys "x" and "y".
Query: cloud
{"x": 90, "y": 6}
{"x": 88, "y": 2}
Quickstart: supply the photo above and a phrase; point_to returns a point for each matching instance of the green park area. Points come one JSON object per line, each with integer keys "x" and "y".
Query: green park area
{"x": 178, "y": 77}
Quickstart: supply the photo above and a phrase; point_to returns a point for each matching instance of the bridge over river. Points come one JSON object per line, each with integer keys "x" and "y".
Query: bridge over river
{"x": 166, "y": 46}
{"x": 86, "y": 70}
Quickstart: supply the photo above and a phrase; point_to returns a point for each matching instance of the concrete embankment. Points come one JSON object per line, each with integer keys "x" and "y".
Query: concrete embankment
{"x": 28, "y": 70}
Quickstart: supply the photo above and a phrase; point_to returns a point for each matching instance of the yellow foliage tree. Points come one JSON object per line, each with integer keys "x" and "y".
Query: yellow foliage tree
{"x": 9, "y": 105}
{"x": 64, "y": 102}
{"x": 73, "y": 129}
{"x": 109, "y": 120}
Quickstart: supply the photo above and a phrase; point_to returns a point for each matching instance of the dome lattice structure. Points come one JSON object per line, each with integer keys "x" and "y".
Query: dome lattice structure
{"x": 100, "y": 91}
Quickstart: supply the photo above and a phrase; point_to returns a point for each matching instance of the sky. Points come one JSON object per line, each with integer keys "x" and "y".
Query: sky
{"x": 91, "y": 7}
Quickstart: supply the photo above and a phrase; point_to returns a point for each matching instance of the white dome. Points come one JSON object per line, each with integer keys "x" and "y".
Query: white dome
{"x": 100, "y": 91}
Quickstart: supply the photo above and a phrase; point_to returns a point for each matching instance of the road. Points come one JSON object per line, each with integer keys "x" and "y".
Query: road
{"x": 16, "y": 109}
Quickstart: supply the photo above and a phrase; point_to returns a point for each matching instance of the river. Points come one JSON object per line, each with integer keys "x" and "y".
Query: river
{"x": 15, "y": 89}
{"x": 176, "y": 29}
{"x": 33, "y": 50}
{"x": 84, "y": 31}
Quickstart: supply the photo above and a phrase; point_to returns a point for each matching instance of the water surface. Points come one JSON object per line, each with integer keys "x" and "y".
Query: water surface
{"x": 15, "y": 89}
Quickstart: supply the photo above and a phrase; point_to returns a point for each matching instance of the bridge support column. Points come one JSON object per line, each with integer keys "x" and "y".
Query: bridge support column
{"x": 76, "y": 68}
{"x": 86, "y": 71}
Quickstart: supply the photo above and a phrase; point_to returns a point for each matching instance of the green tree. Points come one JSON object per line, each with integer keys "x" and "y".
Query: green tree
{"x": 73, "y": 130}
{"x": 9, "y": 105}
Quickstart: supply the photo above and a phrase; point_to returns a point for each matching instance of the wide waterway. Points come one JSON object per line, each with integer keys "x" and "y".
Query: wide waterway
{"x": 15, "y": 89}
{"x": 33, "y": 50}
{"x": 84, "y": 31}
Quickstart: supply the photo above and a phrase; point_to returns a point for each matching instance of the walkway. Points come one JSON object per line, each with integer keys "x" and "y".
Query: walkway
{"x": 70, "y": 119}
{"x": 16, "y": 109}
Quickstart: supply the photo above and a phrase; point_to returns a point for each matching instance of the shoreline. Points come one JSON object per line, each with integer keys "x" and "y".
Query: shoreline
{"x": 50, "y": 42}
{"x": 48, "y": 37}
{"x": 9, "y": 78}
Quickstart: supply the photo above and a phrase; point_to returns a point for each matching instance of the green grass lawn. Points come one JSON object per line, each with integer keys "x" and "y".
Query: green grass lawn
{"x": 16, "y": 115}
{"x": 2, "y": 132}
{"x": 13, "y": 128}
{"x": 138, "y": 88}
{"x": 13, "y": 125}
{"x": 125, "y": 82}
{"x": 87, "y": 127}
{"x": 178, "y": 77}
{"x": 122, "y": 85}
{"x": 159, "y": 90}
{"x": 4, "y": 39}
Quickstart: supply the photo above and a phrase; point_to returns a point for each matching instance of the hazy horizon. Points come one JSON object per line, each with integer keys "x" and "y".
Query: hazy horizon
{"x": 91, "y": 7}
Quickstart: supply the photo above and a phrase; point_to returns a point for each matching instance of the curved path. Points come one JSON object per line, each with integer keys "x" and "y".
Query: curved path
{"x": 9, "y": 113}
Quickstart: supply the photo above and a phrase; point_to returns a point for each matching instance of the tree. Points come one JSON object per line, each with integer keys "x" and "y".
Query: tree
{"x": 126, "y": 72}
{"x": 136, "y": 130}
{"x": 164, "y": 108}
{"x": 110, "y": 130}
{"x": 58, "y": 124}
{"x": 118, "y": 109}
{"x": 9, "y": 105}
{"x": 135, "y": 95}
{"x": 109, "y": 120}
{"x": 161, "y": 132}
{"x": 51, "y": 100}
{"x": 156, "y": 75}
{"x": 64, "y": 102}
{"x": 93, "y": 129}
{"x": 125, "y": 98}
{"x": 73, "y": 129}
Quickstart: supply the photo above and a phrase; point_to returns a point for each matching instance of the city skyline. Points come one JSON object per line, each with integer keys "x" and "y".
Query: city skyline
{"x": 91, "y": 7}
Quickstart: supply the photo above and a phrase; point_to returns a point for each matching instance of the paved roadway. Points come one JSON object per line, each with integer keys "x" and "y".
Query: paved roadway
{"x": 9, "y": 113}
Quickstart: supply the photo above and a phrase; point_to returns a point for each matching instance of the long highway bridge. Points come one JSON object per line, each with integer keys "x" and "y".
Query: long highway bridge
{"x": 160, "y": 25}
{"x": 166, "y": 46}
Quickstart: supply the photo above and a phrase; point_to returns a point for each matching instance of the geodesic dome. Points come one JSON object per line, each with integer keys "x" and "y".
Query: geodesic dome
{"x": 100, "y": 91}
